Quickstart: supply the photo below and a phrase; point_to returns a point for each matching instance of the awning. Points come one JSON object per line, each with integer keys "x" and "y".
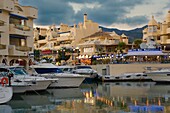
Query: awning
{"x": 18, "y": 36}
{"x": 145, "y": 53}
{"x": 18, "y": 16}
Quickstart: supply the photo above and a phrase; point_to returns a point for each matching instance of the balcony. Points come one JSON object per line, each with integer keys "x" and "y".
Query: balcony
{"x": 64, "y": 38}
{"x": 31, "y": 12}
{"x": 42, "y": 41}
{"x": 3, "y": 50}
{"x": 57, "y": 47}
{"x": 23, "y": 48}
{"x": 168, "y": 31}
{"x": 20, "y": 30}
{"x": 7, "y": 5}
{"x": 18, "y": 50}
{"x": 1, "y": 26}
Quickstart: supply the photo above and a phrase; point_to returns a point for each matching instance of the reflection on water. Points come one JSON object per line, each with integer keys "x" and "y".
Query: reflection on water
{"x": 127, "y": 97}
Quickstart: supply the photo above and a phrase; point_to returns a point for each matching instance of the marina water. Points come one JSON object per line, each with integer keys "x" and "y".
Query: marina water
{"x": 117, "y": 97}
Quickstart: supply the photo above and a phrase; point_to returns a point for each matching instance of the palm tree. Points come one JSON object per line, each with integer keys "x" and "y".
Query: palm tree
{"x": 121, "y": 46}
{"x": 137, "y": 43}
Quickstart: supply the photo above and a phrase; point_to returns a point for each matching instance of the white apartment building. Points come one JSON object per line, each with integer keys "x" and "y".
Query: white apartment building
{"x": 159, "y": 32}
{"x": 16, "y": 32}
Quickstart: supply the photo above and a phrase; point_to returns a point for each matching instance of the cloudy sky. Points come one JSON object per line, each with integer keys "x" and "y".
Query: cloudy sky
{"x": 122, "y": 14}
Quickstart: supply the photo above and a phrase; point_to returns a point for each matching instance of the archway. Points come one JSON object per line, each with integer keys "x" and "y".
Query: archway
{"x": 20, "y": 62}
{"x": 11, "y": 63}
{"x": 4, "y": 61}
{"x": 30, "y": 62}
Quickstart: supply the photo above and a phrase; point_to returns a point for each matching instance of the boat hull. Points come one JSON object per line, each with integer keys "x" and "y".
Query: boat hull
{"x": 65, "y": 81}
{"x": 160, "y": 77}
{"x": 39, "y": 85}
{"x": 6, "y": 94}
{"x": 132, "y": 77}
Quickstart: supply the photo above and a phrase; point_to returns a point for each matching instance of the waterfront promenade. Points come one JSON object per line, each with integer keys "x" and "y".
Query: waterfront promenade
{"x": 116, "y": 69}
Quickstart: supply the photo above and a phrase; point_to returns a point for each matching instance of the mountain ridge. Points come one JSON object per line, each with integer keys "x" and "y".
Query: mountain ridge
{"x": 136, "y": 33}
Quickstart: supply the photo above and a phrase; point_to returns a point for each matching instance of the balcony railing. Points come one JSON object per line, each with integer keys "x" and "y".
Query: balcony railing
{"x": 2, "y": 46}
{"x": 23, "y": 48}
{"x": 1, "y": 23}
{"x": 17, "y": 50}
{"x": 168, "y": 31}
{"x": 22, "y": 27}
{"x": 20, "y": 30}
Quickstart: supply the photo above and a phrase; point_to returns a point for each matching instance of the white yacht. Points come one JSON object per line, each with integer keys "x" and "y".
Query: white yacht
{"x": 161, "y": 75}
{"x": 6, "y": 92}
{"x": 22, "y": 81}
{"x": 49, "y": 70}
{"x": 91, "y": 74}
{"x": 126, "y": 77}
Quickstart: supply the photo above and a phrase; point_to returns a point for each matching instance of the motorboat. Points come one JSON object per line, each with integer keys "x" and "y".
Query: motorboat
{"x": 125, "y": 77}
{"x": 18, "y": 86}
{"x": 91, "y": 75}
{"x": 159, "y": 75}
{"x": 49, "y": 70}
{"x": 86, "y": 70}
{"x": 6, "y": 92}
{"x": 22, "y": 81}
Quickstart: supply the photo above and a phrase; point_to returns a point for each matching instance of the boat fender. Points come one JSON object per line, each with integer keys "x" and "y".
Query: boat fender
{"x": 4, "y": 81}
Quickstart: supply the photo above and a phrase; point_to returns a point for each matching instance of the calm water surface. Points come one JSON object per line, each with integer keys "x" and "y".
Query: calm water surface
{"x": 128, "y": 97}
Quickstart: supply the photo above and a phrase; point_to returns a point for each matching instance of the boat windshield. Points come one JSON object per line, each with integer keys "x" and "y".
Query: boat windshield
{"x": 83, "y": 67}
{"x": 3, "y": 72}
{"x": 18, "y": 71}
{"x": 48, "y": 70}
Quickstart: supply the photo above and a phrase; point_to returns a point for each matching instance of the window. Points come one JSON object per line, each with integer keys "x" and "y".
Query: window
{"x": 109, "y": 49}
{"x": 158, "y": 38}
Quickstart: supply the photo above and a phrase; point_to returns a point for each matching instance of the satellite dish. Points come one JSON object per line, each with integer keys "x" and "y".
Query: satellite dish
{"x": 143, "y": 46}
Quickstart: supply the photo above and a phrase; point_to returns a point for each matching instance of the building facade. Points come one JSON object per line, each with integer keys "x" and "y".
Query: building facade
{"x": 16, "y": 32}
{"x": 64, "y": 36}
{"x": 101, "y": 46}
{"x": 158, "y": 32}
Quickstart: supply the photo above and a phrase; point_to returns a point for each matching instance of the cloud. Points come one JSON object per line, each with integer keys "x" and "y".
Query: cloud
{"x": 51, "y": 11}
{"x": 168, "y": 5}
{"x": 133, "y": 21}
{"x": 78, "y": 7}
{"x": 104, "y": 12}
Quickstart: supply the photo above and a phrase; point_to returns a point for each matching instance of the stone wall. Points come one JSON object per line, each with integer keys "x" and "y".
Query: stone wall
{"x": 116, "y": 69}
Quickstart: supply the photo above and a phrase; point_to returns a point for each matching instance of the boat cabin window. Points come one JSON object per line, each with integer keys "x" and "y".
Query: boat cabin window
{"x": 128, "y": 76}
{"x": 145, "y": 75}
{"x": 138, "y": 75}
{"x": 83, "y": 67}
{"x": 48, "y": 70}
{"x": 117, "y": 78}
{"x": 3, "y": 72}
{"x": 67, "y": 69}
{"x": 18, "y": 71}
